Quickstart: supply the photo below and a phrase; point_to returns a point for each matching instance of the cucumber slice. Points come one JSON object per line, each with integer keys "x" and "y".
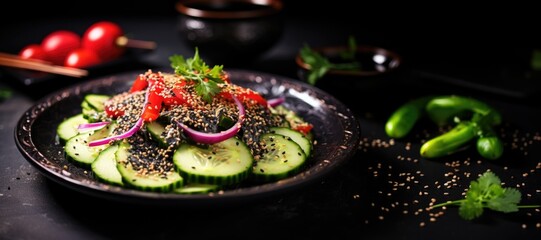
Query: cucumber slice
{"x": 104, "y": 167}
{"x": 148, "y": 181}
{"x": 68, "y": 128}
{"x": 281, "y": 158}
{"x": 291, "y": 118}
{"x": 96, "y": 101}
{"x": 156, "y": 129}
{"x": 89, "y": 113}
{"x": 196, "y": 188}
{"x": 78, "y": 151}
{"x": 225, "y": 163}
{"x": 296, "y": 136}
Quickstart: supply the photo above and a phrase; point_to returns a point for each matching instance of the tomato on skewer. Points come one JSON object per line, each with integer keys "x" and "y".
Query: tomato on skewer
{"x": 33, "y": 51}
{"x": 102, "y": 37}
{"x": 58, "y": 44}
{"x": 82, "y": 58}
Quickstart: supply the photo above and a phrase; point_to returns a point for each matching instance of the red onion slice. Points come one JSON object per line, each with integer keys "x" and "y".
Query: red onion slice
{"x": 91, "y": 126}
{"x": 127, "y": 134}
{"x": 276, "y": 101}
{"x": 211, "y": 138}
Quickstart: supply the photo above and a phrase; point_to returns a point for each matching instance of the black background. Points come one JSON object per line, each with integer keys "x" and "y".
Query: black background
{"x": 453, "y": 38}
{"x": 486, "y": 34}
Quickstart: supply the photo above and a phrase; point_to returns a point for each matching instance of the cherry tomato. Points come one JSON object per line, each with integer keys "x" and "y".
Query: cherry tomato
{"x": 33, "y": 51}
{"x": 58, "y": 44}
{"x": 81, "y": 58}
{"x": 102, "y": 38}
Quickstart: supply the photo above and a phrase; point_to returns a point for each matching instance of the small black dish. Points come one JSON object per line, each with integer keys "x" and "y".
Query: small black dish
{"x": 378, "y": 67}
{"x": 374, "y": 61}
{"x": 231, "y": 31}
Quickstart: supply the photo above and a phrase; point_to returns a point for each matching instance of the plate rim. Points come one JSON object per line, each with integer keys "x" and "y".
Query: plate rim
{"x": 25, "y": 145}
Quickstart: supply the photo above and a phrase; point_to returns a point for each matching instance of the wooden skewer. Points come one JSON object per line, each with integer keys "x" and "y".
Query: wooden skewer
{"x": 134, "y": 43}
{"x": 16, "y": 62}
{"x": 12, "y": 56}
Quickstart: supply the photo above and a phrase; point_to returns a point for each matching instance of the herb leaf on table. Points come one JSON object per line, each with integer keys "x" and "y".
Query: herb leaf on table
{"x": 487, "y": 192}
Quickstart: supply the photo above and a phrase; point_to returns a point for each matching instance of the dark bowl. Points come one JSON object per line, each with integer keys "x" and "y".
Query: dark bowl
{"x": 379, "y": 68}
{"x": 374, "y": 61}
{"x": 230, "y": 31}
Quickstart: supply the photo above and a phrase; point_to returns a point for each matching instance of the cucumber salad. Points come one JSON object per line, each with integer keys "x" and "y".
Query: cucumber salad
{"x": 189, "y": 131}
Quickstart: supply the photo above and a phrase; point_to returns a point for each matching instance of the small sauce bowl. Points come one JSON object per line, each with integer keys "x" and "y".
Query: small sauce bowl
{"x": 374, "y": 61}
{"x": 378, "y": 69}
{"x": 230, "y": 31}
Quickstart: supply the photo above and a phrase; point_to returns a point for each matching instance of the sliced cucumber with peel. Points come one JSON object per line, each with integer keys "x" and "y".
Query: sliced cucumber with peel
{"x": 292, "y": 118}
{"x": 149, "y": 181}
{"x": 78, "y": 151}
{"x": 281, "y": 158}
{"x": 196, "y": 188}
{"x": 89, "y": 113}
{"x": 104, "y": 167}
{"x": 68, "y": 128}
{"x": 224, "y": 163}
{"x": 96, "y": 101}
{"x": 156, "y": 129}
{"x": 296, "y": 136}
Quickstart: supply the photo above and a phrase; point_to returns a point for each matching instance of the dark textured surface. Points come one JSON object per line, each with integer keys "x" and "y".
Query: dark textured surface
{"x": 375, "y": 195}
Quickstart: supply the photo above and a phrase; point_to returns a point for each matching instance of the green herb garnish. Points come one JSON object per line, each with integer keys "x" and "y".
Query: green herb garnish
{"x": 320, "y": 65}
{"x": 349, "y": 54}
{"x": 195, "y": 69}
{"x": 5, "y": 93}
{"x": 487, "y": 192}
{"x": 536, "y": 60}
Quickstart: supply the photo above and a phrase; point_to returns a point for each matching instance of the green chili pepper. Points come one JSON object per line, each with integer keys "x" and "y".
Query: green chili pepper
{"x": 490, "y": 147}
{"x": 488, "y": 144}
{"x": 404, "y": 118}
{"x": 449, "y": 142}
{"x": 442, "y": 109}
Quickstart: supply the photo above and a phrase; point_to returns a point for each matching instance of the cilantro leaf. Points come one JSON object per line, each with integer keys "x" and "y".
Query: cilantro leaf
{"x": 195, "y": 69}
{"x": 487, "y": 192}
{"x": 349, "y": 54}
{"x": 470, "y": 209}
{"x": 207, "y": 89}
{"x": 488, "y": 179}
{"x": 506, "y": 202}
{"x": 177, "y": 61}
{"x": 320, "y": 65}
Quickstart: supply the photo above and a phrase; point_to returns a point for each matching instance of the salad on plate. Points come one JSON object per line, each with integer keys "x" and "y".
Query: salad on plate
{"x": 189, "y": 131}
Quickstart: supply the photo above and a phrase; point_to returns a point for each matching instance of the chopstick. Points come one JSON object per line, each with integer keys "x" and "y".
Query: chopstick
{"x": 15, "y": 61}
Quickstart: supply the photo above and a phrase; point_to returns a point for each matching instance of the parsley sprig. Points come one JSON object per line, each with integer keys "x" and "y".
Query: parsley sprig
{"x": 195, "y": 69}
{"x": 320, "y": 65}
{"x": 487, "y": 192}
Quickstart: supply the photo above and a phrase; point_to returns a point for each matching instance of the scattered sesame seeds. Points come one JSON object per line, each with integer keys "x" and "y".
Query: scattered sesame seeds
{"x": 402, "y": 177}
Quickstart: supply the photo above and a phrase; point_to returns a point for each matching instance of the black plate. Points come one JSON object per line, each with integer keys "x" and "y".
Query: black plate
{"x": 336, "y": 130}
